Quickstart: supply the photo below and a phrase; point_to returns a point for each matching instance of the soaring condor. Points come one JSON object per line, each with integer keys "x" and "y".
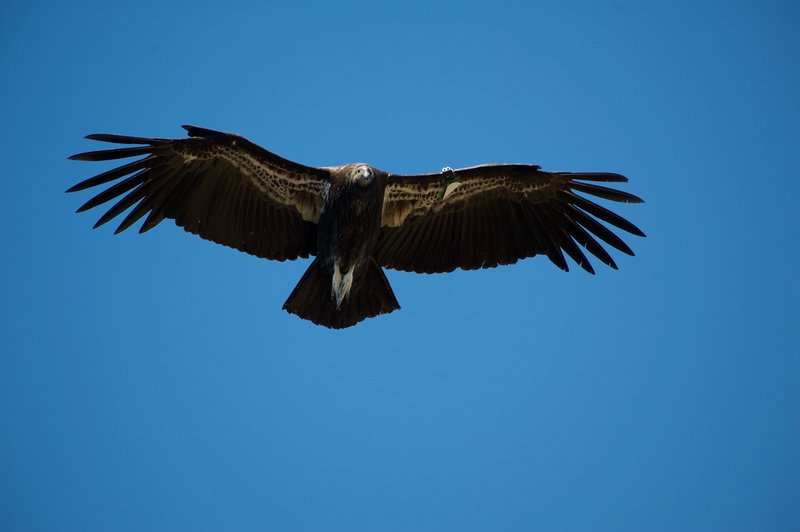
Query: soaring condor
{"x": 355, "y": 219}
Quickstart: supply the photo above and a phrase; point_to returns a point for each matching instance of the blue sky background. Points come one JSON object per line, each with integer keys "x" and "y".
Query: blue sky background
{"x": 153, "y": 382}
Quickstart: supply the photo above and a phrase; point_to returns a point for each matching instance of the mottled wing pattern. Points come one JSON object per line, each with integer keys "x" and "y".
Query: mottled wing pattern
{"x": 488, "y": 215}
{"x": 217, "y": 185}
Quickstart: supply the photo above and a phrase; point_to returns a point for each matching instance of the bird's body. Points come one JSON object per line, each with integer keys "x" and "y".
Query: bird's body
{"x": 349, "y": 224}
{"x": 354, "y": 218}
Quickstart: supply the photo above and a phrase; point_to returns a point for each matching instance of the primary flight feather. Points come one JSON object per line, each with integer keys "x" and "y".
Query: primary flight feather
{"x": 355, "y": 219}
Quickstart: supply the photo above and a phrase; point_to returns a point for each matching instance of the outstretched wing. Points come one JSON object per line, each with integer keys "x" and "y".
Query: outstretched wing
{"x": 219, "y": 186}
{"x": 484, "y": 216}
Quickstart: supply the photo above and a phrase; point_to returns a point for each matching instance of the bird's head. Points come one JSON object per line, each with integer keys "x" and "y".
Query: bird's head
{"x": 361, "y": 174}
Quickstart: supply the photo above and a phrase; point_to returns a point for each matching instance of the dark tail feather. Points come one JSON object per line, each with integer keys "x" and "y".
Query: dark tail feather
{"x": 370, "y": 296}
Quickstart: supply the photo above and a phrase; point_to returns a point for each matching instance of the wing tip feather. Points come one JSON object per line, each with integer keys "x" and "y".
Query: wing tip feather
{"x": 608, "y": 177}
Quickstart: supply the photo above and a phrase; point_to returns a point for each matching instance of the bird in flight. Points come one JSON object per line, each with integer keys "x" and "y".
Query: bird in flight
{"x": 355, "y": 219}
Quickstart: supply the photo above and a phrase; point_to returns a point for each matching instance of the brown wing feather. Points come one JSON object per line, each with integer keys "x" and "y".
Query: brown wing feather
{"x": 219, "y": 186}
{"x": 488, "y": 215}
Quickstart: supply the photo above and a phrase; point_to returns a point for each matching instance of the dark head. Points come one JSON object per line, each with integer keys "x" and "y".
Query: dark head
{"x": 361, "y": 174}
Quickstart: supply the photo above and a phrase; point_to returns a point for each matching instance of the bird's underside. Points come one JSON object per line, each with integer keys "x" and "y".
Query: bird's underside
{"x": 355, "y": 219}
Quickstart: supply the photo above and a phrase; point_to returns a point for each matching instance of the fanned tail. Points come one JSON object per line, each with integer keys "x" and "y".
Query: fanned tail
{"x": 371, "y": 295}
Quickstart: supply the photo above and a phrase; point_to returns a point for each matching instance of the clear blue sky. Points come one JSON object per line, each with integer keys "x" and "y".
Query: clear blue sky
{"x": 153, "y": 382}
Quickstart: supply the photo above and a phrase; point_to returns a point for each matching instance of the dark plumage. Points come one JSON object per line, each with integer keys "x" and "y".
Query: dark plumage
{"x": 355, "y": 219}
